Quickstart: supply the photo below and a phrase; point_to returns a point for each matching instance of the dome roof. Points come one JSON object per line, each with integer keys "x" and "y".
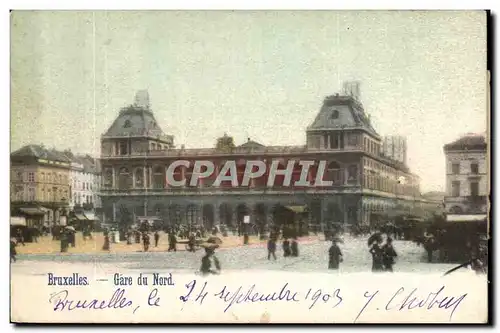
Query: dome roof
{"x": 137, "y": 120}
{"x": 342, "y": 112}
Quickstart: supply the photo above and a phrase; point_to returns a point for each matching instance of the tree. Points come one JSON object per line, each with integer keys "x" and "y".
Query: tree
{"x": 225, "y": 143}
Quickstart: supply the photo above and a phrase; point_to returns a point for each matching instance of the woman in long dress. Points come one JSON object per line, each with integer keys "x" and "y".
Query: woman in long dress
{"x": 334, "y": 255}
{"x": 377, "y": 257}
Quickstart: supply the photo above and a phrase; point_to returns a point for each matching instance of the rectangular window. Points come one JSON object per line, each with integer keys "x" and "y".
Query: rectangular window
{"x": 455, "y": 168}
{"x": 31, "y": 194}
{"x": 474, "y": 189}
{"x": 123, "y": 148}
{"x": 325, "y": 141}
{"x": 455, "y": 188}
{"x": 353, "y": 140}
{"x": 474, "y": 168}
{"x": 31, "y": 177}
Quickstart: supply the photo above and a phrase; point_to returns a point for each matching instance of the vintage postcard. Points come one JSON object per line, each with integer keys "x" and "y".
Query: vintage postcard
{"x": 249, "y": 167}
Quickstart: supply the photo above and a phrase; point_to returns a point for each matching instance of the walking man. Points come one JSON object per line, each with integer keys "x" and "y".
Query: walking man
{"x": 157, "y": 238}
{"x": 388, "y": 255}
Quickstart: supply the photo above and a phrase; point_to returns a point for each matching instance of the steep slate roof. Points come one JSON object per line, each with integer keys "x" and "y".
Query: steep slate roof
{"x": 134, "y": 120}
{"x": 38, "y": 151}
{"x": 350, "y": 115}
{"x": 468, "y": 142}
{"x": 251, "y": 144}
{"x": 89, "y": 163}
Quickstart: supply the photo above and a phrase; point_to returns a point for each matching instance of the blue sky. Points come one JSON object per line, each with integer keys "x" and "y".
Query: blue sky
{"x": 251, "y": 74}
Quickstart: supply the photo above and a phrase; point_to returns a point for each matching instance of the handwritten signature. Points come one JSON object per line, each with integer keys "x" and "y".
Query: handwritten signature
{"x": 402, "y": 301}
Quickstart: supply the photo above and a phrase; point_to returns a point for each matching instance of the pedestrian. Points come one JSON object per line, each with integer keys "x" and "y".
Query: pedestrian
{"x": 294, "y": 247}
{"x": 20, "y": 237}
{"x": 64, "y": 241}
{"x": 287, "y": 252}
{"x": 388, "y": 255}
{"x": 335, "y": 256}
{"x": 13, "y": 251}
{"x": 172, "y": 241}
{"x": 129, "y": 237}
{"x": 210, "y": 264}
{"x": 106, "y": 246}
{"x": 157, "y": 238}
{"x": 145, "y": 241}
{"x": 191, "y": 242}
{"x": 430, "y": 246}
{"x": 377, "y": 257}
{"x": 271, "y": 247}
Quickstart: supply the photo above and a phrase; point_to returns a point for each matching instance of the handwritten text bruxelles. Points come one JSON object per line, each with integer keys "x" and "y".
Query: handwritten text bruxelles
{"x": 205, "y": 294}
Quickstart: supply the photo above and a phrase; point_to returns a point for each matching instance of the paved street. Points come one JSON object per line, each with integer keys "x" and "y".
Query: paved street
{"x": 313, "y": 257}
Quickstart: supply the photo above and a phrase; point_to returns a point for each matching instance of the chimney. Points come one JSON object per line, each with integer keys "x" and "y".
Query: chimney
{"x": 142, "y": 99}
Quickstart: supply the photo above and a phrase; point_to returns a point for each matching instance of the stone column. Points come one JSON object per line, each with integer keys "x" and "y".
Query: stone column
{"x": 133, "y": 177}
{"x": 113, "y": 177}
{"x": 199, "y": 215}
{"x": 216, "y": 209}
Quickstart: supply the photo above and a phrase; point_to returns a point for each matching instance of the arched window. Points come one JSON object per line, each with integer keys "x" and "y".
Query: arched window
{"x": 191, "y": 215}
{"x": 159, "y": 210}
{"x": 333, "y": 173}
{"x": 352, "y": 172}
{"x": 174, "y": 215}
{"x": 127, "y": 124}
{"x": 158, "y": 177}
{"x": 108, "y": 178}
{"x": 139, "y": 178}
{"x": 124, "y": 179}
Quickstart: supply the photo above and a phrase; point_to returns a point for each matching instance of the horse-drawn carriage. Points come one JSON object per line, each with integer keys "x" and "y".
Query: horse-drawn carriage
{"x": 198, "y": 242}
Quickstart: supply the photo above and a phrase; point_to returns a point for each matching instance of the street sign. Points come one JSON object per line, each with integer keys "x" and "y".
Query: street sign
{"x": 246, "y": 219}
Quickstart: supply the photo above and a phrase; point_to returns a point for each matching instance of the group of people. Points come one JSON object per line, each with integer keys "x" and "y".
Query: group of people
{"x": 383, "y": 257}
{"x": 290, "y": 248}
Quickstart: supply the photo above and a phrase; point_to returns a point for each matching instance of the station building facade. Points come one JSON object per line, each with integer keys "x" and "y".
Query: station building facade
{"x": 136, "y": 153}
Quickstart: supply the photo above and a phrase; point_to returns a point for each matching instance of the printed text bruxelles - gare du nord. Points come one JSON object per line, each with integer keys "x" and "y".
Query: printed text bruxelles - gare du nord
{"x": 228, "y": 173}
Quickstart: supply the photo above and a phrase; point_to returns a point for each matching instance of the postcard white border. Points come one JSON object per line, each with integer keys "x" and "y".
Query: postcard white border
{"x": 178, "y": 4}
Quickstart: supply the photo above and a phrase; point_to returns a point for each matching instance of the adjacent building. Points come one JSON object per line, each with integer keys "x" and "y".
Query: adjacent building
{"x": 467, "y": 180}
{"x": 39, "y": 185}
{"x": 135, "y": 154}
{"x": 85, "y": 181}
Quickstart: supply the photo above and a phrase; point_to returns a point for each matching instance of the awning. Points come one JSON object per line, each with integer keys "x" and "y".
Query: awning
{"x": 17, "y": 220}
{"x": 297, "y": 209}
{"x": 466, "y": 218}
{"x": 81, "y": 217}
{"x": 90, "y": 216}
{"x": 32, "y": 211}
